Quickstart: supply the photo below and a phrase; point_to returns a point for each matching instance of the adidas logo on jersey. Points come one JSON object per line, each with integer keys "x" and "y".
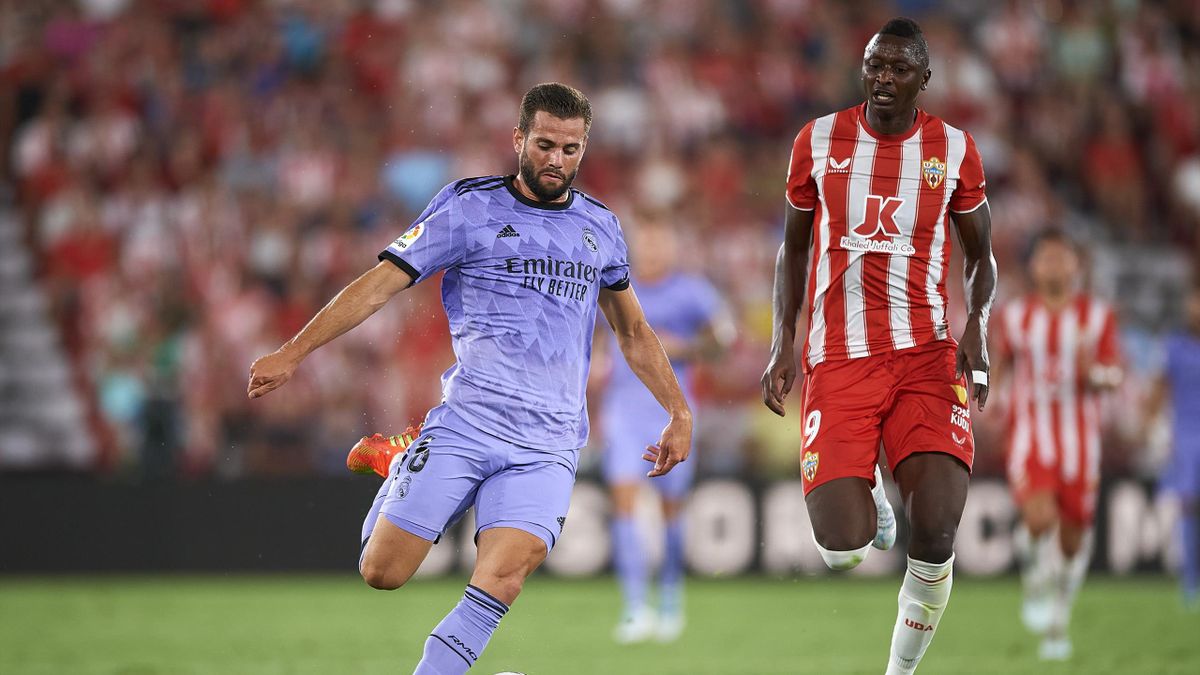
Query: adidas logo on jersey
{"x": 508, "y": 231}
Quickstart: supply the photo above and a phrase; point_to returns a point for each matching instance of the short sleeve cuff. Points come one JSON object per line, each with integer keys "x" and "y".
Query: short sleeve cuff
{"x": 396, "y": 260}
{"x": 804, "y": 204}
{"x": 969, "y": 209}
{"x": 619, "y": 286}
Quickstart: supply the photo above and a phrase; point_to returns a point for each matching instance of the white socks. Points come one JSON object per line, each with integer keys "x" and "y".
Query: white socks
{"x": 922, "y": 600}
{"x": 1067, "y": 579}
{"x": 1050, "y": 580}
{"x": 1037, "y": 559}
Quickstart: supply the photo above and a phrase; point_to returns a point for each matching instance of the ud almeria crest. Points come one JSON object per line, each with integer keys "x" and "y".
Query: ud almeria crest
{"x": 808, "y": 465}
{"x": 934, "y": 172}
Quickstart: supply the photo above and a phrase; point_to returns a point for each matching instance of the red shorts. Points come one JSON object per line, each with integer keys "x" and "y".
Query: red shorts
{"x": 1033, "y": 470}
{"x": 909, "y": 399}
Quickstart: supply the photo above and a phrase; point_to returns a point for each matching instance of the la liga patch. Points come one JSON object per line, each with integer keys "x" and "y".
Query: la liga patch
{"x": 409, "y": 238}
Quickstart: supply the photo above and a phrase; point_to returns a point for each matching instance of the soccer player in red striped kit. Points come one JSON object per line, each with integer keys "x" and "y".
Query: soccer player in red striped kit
{"x": 871, "y": 191}
{"x": 1060, "y": 345}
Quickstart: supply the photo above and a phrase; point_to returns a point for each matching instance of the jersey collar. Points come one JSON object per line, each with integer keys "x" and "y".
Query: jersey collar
{"x": 861, "y": 114}
{"x": 546, "y": 206}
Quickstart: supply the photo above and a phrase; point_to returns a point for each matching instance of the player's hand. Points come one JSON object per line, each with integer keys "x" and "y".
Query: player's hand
{"x": 673, "y": 446}
{"x": 777, "y": 381}
{"x": 972, "y": 357}
{"x": 271, "y": 372}
{"x": 1088, "y": 369}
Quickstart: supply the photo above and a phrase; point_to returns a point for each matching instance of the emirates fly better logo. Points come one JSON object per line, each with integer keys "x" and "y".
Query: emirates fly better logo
{"x": 875, "y": 234}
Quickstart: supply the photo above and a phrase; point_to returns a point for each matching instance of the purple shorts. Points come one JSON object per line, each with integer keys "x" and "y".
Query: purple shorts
{"x": 453, "y": 466}
{"x": 627, "y": 432}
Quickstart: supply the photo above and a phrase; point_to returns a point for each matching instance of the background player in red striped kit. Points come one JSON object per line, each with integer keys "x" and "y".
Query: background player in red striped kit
{"x": 871, "y": 191}
{"x": 1060, "y": 345}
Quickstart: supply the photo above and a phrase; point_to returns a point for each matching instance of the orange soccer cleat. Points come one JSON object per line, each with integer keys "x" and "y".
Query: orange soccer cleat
{"x": 373, "y": 454}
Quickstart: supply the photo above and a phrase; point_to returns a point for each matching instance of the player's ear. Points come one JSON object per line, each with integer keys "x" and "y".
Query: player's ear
{"x": 925, "y": 80}
{"x": 518, "y": 139}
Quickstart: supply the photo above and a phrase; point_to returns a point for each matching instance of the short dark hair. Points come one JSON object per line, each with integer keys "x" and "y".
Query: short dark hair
{"x": 563, "y": 101}
{"x": 908, "y": 29}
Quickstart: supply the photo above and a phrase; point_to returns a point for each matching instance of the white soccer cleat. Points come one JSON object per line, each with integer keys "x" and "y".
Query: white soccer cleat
{"x": 1055, "y": 649}
{"x": 670, "y": 627}
{"x": 637, "y": 626}
{"x": 1037, "y": 613}
{"x": 885, "y": 516}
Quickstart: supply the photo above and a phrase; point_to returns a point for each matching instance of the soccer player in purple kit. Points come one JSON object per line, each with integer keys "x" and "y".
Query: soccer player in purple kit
{"x": 1178, "y": 388}
{"x": 528, "y": 260}
{"x": 687, "y": 314}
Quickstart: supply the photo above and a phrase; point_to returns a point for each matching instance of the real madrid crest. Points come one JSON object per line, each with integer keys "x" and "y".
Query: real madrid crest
{"x": 934, "y": 172}
{"x": 589, "y": 240}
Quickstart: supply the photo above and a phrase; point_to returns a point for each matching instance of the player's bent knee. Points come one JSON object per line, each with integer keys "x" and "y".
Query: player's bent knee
{"x": 1039, "y": 527}
{"x": 841, "y": 538}
{"x": 1071, "y": 539}
{"x": 382, "y": 577}
{"x": 843, "y": 560}
{"x": 1071, "y": 548}
{"x": 506, "y": 587}
{"x": 933, "y": 547}
{"x": 1040, "y": 521}
{"x": 1039, "y": 513}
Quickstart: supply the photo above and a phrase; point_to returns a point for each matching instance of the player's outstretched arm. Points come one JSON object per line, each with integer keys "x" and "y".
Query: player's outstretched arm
{"x": 357, "y": 301}
{"x": 647, "y": 359}
{"x": 979, "y": 272}
{"x": 791, "y": 273}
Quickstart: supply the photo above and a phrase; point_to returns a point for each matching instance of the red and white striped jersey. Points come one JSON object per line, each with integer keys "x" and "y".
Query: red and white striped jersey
{"x": 1053, "y": 412}
{"x": 881, "y": 245}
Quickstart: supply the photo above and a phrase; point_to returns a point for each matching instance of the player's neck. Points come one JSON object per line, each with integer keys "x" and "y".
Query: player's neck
{"x": 890, "y": 125}
{"x": 1055, "y": 300}
{"x": 519, "y": 183}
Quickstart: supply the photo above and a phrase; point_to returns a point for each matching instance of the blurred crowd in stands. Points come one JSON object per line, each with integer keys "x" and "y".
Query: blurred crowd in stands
{"x": 199, "y": 177}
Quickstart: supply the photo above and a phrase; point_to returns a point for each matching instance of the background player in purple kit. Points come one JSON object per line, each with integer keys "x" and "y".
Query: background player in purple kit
{"x": 687, "y": 314}
{"x": 528, "y": 259}
{"x": 1179, "y": 389}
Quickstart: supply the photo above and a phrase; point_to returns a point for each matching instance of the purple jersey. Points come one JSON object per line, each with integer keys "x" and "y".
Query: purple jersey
{"x": 680, "y": 305}
{"x": 1183, "y": 373}
{"x": 1182, "y": 473}
{"x": 520, "y": 290}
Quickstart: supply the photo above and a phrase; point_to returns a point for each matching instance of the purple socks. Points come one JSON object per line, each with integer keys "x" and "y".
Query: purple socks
{"x": 458, "y": 641}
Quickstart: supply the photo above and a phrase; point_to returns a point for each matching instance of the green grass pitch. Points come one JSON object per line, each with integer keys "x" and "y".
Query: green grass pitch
{"x": 300, "y": 624}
